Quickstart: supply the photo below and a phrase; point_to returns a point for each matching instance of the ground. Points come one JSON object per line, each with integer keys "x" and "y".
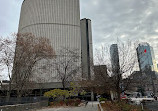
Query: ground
{"x": 91, "y": 106}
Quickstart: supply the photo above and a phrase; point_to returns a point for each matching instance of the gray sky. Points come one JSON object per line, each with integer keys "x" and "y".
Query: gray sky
{"x": 125, "y": 19}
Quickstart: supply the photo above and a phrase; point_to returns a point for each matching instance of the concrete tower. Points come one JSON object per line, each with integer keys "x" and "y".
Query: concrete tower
{"x": 57, "y": 20}
{"x": 87, "y": 49}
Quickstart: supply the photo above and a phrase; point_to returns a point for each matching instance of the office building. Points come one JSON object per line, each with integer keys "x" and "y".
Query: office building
{"x": 114, "y": 55}
{"x": 86, "y": 49}
{"x": 57, "y": 20}
{"x": 146, "y": 57}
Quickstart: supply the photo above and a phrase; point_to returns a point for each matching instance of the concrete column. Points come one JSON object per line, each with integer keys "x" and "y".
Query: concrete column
{"x": 92, "y": 96}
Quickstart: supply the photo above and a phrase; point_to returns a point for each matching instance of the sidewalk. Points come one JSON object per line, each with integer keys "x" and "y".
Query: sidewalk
{"x": 91, "y": 106}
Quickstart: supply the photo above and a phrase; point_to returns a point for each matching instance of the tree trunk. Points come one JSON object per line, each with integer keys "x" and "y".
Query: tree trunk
{"x": 118, "y": 95}
{"x": 9, "y": 92}
{"x": 63, "y": 84}
{"x": 8, "y": 96}
{"x": 18, "y": 96}
{"x": 118, "y": 90}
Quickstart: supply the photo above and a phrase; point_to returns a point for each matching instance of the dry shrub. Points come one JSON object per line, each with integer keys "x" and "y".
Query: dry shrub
{"x": 120, "y": 106}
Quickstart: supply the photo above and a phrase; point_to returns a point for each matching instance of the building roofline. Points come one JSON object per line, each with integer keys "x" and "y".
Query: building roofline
{"x": 86, "y": 19}
{"x": 23, "y": 1}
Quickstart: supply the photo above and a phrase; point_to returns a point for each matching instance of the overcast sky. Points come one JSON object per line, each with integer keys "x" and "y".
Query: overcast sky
{"x": 125, "y": 19}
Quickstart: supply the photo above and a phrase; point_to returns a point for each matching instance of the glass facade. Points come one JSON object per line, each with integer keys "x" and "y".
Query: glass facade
{"x": 146, "y": 57}
{"x": 114, "y": 54}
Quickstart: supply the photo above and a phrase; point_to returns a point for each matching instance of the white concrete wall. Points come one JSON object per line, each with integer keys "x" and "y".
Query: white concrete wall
{"x": 57, "y": 20}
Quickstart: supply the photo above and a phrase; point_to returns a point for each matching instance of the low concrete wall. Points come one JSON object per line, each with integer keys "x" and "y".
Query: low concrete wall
{"x": 100, "y": 107}
{"x": 24, "y": 107}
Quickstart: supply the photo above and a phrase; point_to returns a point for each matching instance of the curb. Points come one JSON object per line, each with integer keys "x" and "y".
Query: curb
{"x": 100, "y": 107}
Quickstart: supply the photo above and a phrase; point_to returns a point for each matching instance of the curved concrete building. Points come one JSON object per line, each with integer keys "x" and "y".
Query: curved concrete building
{"x": 57, "y": 20}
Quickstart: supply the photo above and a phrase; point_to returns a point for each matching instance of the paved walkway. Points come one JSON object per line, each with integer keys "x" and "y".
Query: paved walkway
{"x": 152, "y": 106}
{"x": 91, "y": 106}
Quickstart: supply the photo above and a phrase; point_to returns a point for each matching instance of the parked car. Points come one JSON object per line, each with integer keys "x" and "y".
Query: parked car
{"x": 139, "y": 100}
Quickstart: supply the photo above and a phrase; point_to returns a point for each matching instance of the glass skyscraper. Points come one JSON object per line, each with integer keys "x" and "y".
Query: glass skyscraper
{"x": 114, "y": 54}
{"x": 146, "y": 57}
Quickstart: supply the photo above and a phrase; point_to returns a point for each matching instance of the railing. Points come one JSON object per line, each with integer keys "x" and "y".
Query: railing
{"x": 21, "y": 100}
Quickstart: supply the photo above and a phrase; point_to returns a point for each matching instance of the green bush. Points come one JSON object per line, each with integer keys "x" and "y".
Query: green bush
{"x": 102, "y": 99}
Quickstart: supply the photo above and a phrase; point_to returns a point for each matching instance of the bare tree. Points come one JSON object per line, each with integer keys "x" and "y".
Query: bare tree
{"x": 99, "y": 80}
{"x": 120, "y": 62}
{"x": 143, "y": 82}
{"x": 67, "y": 65}
{"x": 30, "y": 51}
{"x": 7, "y": 49}
{"x": 44, "y": 75}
